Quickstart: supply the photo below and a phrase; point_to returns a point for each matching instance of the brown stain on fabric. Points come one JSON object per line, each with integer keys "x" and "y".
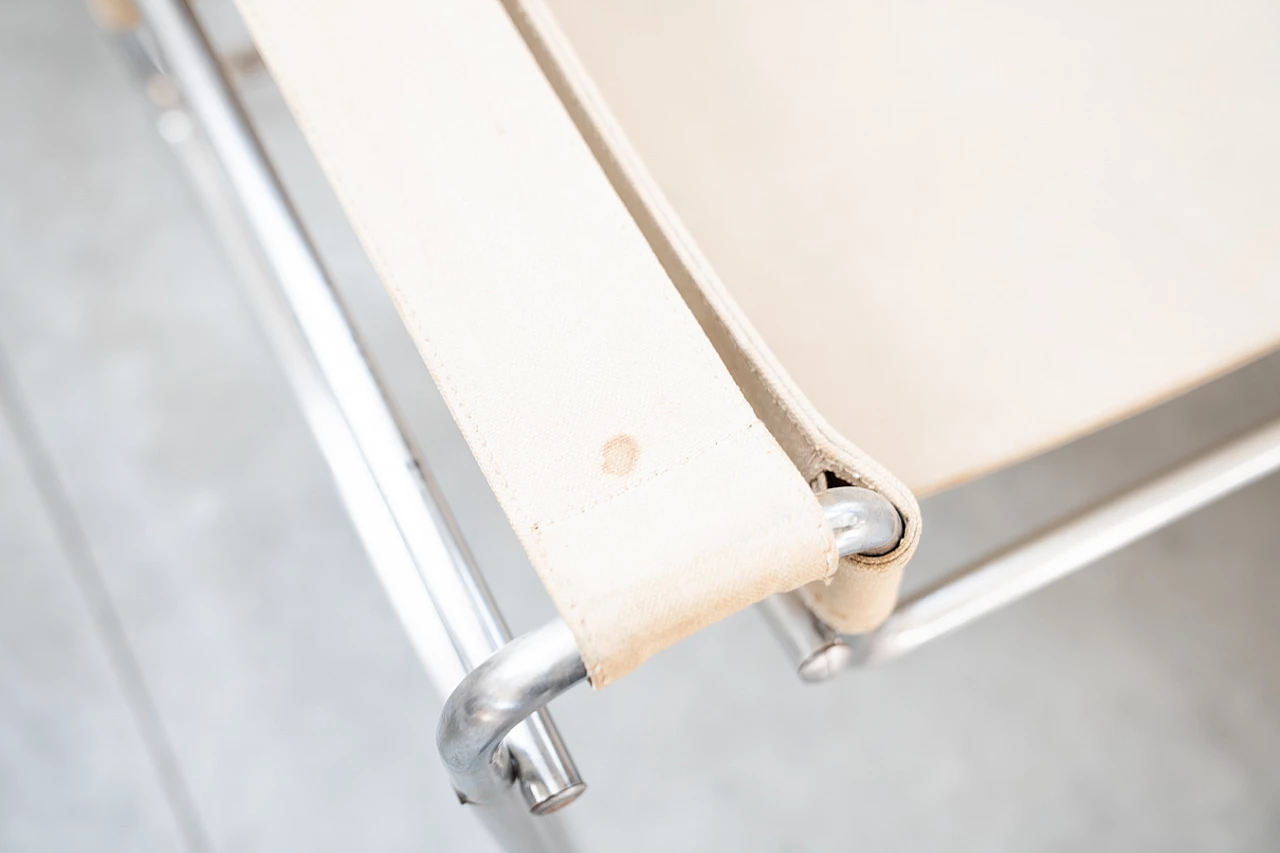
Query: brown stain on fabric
{"x": 619, "y": 455}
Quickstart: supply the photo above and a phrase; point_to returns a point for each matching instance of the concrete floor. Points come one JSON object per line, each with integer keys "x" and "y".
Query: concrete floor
{"x": 195, "y": 655}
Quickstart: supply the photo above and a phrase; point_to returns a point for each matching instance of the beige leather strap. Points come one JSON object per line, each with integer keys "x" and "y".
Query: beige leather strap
{"x": 649, "y": 497}
{"x": 971, "y": 231}
{"x": 862, "y": 594}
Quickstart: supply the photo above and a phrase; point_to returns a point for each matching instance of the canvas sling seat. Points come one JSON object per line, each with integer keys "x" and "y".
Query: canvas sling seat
{"x": 675, "y": 265}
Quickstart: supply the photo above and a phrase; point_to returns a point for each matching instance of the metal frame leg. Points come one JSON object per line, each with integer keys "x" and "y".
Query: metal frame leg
{"x": 536, "y": 667}
{"x": 495, "y": 737}
{"x": 499, "y": 745}
{"x": 410, "y": 537}
{"x": 820, "y": 652}
{"x": 1071, "y": 545}
{"x": 528, "y": 673}
{"x": 864, "y": 523}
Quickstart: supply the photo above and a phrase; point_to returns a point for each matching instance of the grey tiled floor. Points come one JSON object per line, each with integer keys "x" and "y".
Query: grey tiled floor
{"x": 195, "y": 656}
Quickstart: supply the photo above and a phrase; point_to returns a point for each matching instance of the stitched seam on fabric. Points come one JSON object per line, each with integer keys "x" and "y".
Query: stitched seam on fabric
{"x": 674, "y": 308}
{"x": 606, "y": 144}
{"x": 679, "y": 463}
{"x": 673, "y": 305}
{"x": 671, "y": 296}
{"x": 606, "y": 152}
{"x": 752, "y": 363}
{"x": 750, "y": 359}
{"x": 604, "y": 137}
{"x": 378, "y": 258}
{"x": 392, "y": 282}
{"x": 710, "y": 367}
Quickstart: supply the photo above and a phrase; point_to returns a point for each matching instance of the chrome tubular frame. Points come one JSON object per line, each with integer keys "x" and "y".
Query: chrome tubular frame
{"x": 495, "y": 697}
{"x": 496, "y": 738}
{"x": 863, "y": 522}
{"x": 412, "y": 540}
{"x": 536, "y": 667}
{"x": 501, "y": 748}
{"x": 819, "y": 652}
{"x": 1071, "y": 545}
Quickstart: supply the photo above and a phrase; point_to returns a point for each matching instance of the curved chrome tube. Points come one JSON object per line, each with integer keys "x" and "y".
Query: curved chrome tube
{"x": 863, "y": 522}
{"x": 535, "y": 668}
{"x": 412, "y": 540}
{"x": 494, "y": 698}
{"x": 814, "y": 648}
{"x": 531, "y": 670}
{"x": 1071, "y": 545}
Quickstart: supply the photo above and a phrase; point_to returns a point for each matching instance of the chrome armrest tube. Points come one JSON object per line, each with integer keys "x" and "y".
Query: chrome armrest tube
{"x": 536, "y": 667}
{"x": 519, "y": 680}
{"x": 412, "y": 540}
{"x": 1056, "y": 552}
{"x": 495, "y": 736}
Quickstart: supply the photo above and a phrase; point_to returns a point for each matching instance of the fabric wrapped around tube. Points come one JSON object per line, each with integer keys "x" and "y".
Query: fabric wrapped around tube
{"x": 649, "y": 496}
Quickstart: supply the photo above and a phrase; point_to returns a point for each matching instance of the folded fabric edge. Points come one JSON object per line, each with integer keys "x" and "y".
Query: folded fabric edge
{"x": 706, "y": 528}
{"x": 864, "y": 591}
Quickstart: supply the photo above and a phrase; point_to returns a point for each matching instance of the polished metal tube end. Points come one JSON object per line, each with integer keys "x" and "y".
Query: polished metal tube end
{"x": 559, "y": 800}
{"x": 817, "y": 652}
{"x": 488, "y": 730}
{"x": 862, "y": 521}
{"x": 825, "y": 662}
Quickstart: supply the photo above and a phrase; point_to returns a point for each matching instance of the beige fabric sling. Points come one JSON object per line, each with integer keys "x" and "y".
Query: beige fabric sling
{"x": 864, "y": 591}
{"x": 650, "y": 498}
{"x": 969, "y": 230}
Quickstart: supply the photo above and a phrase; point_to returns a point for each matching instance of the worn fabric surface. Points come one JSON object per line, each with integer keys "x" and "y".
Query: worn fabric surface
{"x": 649, "y": 496}
{"x": 862, "y": 594}
{"x": 1132, "y": 707}
{"x": 969, "y": 231}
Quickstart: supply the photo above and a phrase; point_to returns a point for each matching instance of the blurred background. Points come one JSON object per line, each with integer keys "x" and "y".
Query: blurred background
{"x": 196, "y": 656}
